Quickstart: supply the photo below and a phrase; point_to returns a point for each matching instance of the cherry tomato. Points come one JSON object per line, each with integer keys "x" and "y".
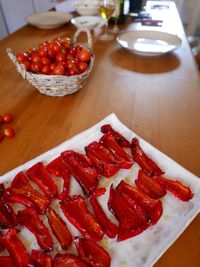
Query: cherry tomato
{"x": 84, "y": 55}
{"x": 9, "y": 132}
{"x": 60, "y": 57}
{"x": 27, "y": 65}
{"x": 43, "y": 52}
{"x": 45, "y": 69}
{"x": 52, "y": 66}
{"x": 56, "y": 47}
{"x": 7, "y": 118}
{"x": 73, "y": 72}
{"x": 59, "y": 70}
{"x": 45, "y": 61}
{"x": 51, "y": 53}
{"x": 21, "y": 57}
{"x": 62, "y": 63}
{"x": 1, "y": 119}
{"x": 36, "y": 67}
{"x": 70, "y": 64}
{"x": 35, "y": 58}
{"x": 1, "y": 137}
{"x": 82, "y": 66}
{"x": 31, "y": 51}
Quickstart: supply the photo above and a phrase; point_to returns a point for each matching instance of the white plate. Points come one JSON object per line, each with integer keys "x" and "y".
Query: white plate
{"x": 88, "y": 22}
{"x": 49, "y": 20}
{"x": 149, "y": 43}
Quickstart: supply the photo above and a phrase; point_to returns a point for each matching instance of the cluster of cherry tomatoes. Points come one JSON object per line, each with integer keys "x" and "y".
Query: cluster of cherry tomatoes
{"x": 6, "y": 131}
{"x": 57, "y": 57}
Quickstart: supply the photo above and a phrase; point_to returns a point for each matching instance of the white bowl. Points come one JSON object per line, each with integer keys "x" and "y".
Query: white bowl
{"x": 85, "y": 9}
{"x": 88, "y": 22}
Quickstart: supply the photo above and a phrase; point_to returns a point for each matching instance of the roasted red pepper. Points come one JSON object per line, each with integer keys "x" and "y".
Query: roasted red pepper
{"x": 129, "y": 223}
{"x": 7, "y": 215}
{"x": 1, "y": 243}
{"x": 59, "y": 229}
{"x": 107, "y": 225}
{"x": 29, "y": 218}
{"x": 21, "y": 191}
{"x": 6, "y": 261}
{"x": 82, "y": 169}
{"x": 67, "y": 260}
{"x": 76, "y": 211}
{"x": 39, "y": 175}
{"x": 91, "y": 253}
{"x": 146, "y": 163}
{"x": 41, "y": 259}
{"x": 58, "y": 168}
{"x": 152, "y": 208}
{"x": 16, "y": 249}
{"x": 103, "y": 159}
{"x": 124, "y": 160}
{"x": 121, "y": 140}
{"x": 149, "y": 186}
{"x": 178, "y": 189}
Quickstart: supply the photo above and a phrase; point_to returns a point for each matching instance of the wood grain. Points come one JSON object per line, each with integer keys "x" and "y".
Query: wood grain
{"x": 158, "y": 98}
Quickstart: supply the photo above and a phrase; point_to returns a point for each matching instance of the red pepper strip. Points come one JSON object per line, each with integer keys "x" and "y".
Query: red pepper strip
{"x": 21, "y": 191}
{"x": 58, "y": 168}
{"x": 146, "y": 163}
{"x": 41, "y": 259}
{"x": 76, "y": 211}
{"x": 67, "y": 260}
{"x": 6, "y": 261}
{"x": 124, "y": 159}
{"x": 109, "y": 227}
{"x": 149, "y": 186}
{"x": 29, "y": 218}
{"x": 121, "y": 140}
{"x": 103, "y": 159}
{"x": 39, "y": 175}
{"x": 129, "y": 224}
{"x": 59, "y": 229}
{"x": 7, "y": 215}
{"x": 1, "y": 243}
{"x": 16, "y": 249}
{"x": 91, "y": 253}
{"x": 152, "y": 208}
{"x": 82, "y": 169}
{"x": 178, "y": 189}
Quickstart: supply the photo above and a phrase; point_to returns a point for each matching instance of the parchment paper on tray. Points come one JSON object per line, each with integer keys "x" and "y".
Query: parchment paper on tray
{"x": 144, "y": 249}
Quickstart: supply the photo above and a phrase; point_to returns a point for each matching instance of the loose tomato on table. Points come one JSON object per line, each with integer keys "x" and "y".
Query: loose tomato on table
{"x": 6, "y": 118}
{"x": 9, "y": 132}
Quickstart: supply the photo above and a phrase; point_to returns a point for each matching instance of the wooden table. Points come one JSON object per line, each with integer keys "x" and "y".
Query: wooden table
{"x": 158, "y": 98}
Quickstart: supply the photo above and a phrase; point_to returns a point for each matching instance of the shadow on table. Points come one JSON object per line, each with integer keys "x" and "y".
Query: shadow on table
{"x": 142, "y": 64}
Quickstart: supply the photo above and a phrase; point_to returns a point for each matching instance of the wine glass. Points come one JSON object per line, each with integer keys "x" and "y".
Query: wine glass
{"x": 106, "y": 9}
{"x": 115, "y": 15}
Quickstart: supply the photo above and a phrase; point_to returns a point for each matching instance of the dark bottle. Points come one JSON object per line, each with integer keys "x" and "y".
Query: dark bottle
{"x": 135, "y": 5}
{"x": 118, "y": 15}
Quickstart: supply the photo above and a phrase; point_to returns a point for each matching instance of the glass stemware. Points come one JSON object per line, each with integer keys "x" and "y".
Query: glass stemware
{"x": 115, "y": 16}
{"x": 106, "y": 10}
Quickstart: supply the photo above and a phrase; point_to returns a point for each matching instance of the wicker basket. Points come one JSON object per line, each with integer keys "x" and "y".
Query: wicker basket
{"x": 56, "y": 85}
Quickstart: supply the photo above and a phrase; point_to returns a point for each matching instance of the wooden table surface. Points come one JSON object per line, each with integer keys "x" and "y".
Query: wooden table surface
{"x": 158, "y": 98}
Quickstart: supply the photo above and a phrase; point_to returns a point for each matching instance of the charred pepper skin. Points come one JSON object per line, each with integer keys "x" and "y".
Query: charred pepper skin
{"x": 76, "y": 211}
{"x": 121, "y": 140}
{"x": 39, "y": 175}
{"x": 21, "y": 191}
{"x": 177, "y": 188}
{"x": 107, "y": 225}
{"x": 149, "y": 185}
{"x": 82, "y": 169}
{"x": 16, "y": 249}
{"x": 91, "y": 253}
{"x": 59, "y": 229}
{"x": 144, "y": 161}
{"x": 30, "y": 219}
